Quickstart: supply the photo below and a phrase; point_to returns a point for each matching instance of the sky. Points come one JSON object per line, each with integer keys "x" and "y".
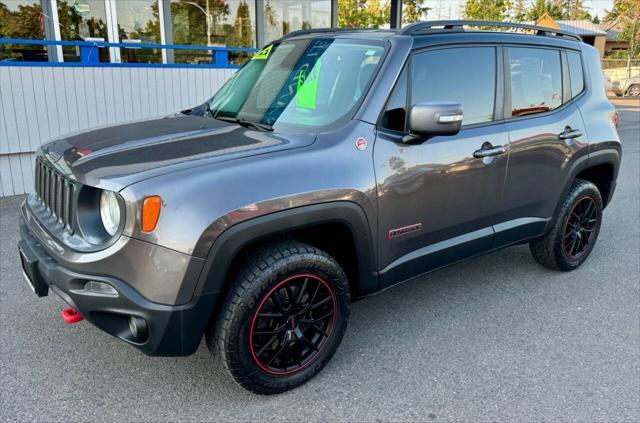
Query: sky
{"x": 450, "y": 9}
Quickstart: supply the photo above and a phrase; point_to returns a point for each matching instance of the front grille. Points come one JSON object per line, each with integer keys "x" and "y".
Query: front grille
{"x": 55, "y": 192}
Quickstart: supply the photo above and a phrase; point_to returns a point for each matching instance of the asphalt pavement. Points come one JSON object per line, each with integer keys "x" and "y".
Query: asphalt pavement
{"x": 496, "y": 338}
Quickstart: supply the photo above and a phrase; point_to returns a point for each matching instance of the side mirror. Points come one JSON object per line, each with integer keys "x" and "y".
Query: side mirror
{"x": 433, "y": 118}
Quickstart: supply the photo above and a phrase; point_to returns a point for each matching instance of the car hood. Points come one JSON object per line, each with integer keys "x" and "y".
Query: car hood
{"x": 116, "y": 156}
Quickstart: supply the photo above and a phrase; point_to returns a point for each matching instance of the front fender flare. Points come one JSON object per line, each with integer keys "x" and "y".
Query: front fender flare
{"x": 231, "y": 241}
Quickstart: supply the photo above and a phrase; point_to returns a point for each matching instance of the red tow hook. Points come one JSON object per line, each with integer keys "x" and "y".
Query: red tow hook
{"x": 71, "y": 316}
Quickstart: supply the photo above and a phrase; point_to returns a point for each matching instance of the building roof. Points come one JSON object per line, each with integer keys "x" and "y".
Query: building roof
{"x": 612, "y": 35}
{"x": 580, "y": 27}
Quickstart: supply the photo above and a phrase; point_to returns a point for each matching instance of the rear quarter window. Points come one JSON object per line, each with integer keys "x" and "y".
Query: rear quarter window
{"x": 576, "y": 74}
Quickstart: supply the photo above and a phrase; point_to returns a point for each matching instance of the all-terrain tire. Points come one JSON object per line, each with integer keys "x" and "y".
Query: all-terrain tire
{"x": 575, "y": 229}
{"x": 271, "y": 317}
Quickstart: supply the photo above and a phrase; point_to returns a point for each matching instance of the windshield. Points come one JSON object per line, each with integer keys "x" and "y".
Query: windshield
{"x": 299, "y": 83}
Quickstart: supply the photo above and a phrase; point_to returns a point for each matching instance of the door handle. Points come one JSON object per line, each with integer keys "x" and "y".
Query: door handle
{"x": 489, "y": 152}
{"x": 569, "y": 134}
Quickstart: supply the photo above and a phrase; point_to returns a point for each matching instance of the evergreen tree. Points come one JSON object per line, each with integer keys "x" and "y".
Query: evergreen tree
{"x": 519, "y": 11}
{"x": 243, "y": 27}
{"x": 574, "y": 9}
{"x": 414, "y": 11}
{"x": 487, "y": 10}
{"x": 540, "y": 7}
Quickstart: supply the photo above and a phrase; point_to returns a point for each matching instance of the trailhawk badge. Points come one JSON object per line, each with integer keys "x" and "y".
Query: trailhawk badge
{"x": 361, "y": 143}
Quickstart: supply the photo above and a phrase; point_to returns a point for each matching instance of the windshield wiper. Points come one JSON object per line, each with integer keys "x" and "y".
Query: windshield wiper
{"x": 246, "y": 123}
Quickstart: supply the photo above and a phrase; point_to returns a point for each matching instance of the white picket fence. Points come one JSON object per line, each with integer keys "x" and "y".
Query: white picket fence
{"x": 40, "y": 103}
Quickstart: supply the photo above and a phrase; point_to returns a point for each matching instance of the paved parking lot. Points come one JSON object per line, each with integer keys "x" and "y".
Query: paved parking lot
{"x": 495, "y": 338}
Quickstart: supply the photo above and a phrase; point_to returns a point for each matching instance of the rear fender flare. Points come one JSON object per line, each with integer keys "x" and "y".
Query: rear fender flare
{"x": 608, "y": 156}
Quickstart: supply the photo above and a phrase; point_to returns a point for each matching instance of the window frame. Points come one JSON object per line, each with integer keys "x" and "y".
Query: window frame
{"x": 405, "y": 66}
{"x": 351, "y": 113}
{"x": 499, "y": 93}
{"x": 502, "y": 107}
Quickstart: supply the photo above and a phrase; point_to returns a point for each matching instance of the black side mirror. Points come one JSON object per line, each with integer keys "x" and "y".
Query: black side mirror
{"x": 433, "y": 118}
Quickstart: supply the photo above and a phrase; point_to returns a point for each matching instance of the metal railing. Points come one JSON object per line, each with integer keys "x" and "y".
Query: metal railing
{"x": 89, "y": 53}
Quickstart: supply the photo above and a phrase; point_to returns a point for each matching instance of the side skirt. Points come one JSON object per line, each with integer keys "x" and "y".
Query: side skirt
{"x": 442, "y": 254}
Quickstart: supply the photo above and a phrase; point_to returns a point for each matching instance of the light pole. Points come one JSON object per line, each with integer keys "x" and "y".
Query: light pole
{"x": 208, "y": 17}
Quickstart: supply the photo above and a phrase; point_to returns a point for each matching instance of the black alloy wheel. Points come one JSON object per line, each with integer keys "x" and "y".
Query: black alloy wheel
{"x": 572, "y": 234}
{"x": 580, "y": 227}
{"x": 283, "y": 317}
{"x": 292, "y": 324}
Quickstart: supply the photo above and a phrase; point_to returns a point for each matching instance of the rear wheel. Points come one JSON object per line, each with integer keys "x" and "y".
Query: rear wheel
{"x": 634, "y": 90}
{"x": 283, "y": 318}
{"x": 575, "y": 230}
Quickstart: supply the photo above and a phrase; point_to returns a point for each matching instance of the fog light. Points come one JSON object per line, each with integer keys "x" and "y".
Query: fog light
{"x": 100, "y": 288}
{"x": 138, "y": 328}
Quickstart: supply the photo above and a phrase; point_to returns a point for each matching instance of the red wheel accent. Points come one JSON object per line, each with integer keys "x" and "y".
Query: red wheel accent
{"x": 579, "y": 227}
{"x": 286, "y": 324}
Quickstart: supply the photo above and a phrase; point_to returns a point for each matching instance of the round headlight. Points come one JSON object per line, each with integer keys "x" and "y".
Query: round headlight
{"x": 110, "y": 212}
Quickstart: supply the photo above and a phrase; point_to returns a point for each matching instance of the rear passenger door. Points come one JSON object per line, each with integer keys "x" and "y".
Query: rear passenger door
{"x": 436, "y": 201}
{"x": 546, "y": 132}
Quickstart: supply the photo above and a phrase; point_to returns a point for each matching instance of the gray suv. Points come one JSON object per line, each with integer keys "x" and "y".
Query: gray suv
{"x": 333, "y": 165}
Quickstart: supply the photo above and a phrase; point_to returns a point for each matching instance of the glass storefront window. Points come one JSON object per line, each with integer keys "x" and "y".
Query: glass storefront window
{"x": 82, "y": 20}
{"x": 227, "y": 23}
{"x": 22, "y": 19}
{"x": 284, "y": 16}
{"x": 138, "y": 21}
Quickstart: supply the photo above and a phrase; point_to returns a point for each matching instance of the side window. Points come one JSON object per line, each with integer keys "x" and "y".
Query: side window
{"x": 536, "y": 80}
{"x": 575, "y": 73}
{"x": 395, "y": 112}
{"x": 466, "y": 75}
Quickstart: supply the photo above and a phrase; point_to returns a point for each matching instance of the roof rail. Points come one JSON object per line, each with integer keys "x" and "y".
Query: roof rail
{"x": 326, "y": 30}
{"x": 439, "y": 26}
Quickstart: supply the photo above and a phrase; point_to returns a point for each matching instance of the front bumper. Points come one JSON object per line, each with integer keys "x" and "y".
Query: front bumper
{"x": 173, "y": 330}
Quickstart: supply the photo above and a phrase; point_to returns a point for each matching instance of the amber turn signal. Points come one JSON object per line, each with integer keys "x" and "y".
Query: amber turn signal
{"x": 150, "y": 213}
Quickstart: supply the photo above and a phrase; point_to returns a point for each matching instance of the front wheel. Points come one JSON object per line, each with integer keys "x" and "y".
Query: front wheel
{"x": 575, "y": 230}
{"x": 283, "y": 318}
{"x": 634, "y": 90}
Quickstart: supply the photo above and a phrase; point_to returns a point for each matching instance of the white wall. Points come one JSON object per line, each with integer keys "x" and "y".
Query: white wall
{"x": 38, "y": 104}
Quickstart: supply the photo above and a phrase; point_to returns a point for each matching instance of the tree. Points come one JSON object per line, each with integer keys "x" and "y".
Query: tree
{"x": 414, "y": 11}
{"x": 520, "y": 11}
{"x": 540, "y": 7}
{"x": 25, "y": 22}
{"x": 626, "y": 15}
{"x": 243, "y": 28}
{"x": 487, "y": 10}
{"x": 363, "y": 13}
{"x": 574, "y": 9}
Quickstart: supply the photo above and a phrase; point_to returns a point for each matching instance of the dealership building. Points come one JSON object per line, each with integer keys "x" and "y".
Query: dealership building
{"x": 227, "y": 23}
{"x": 74, "y": 65}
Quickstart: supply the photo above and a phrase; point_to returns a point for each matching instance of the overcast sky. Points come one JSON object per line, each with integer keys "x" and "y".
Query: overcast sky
{"x": 450, "y": 9}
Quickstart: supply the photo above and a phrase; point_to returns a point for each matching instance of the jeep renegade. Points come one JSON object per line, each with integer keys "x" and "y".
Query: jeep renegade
{"x": 334, "y": 164}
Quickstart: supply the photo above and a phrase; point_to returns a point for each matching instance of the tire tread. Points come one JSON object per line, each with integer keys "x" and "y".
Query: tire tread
{"x": 547, "y": 250}
{"x": 262, "y": 261}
